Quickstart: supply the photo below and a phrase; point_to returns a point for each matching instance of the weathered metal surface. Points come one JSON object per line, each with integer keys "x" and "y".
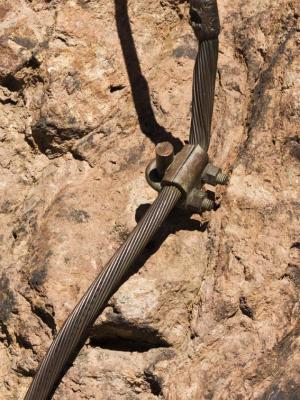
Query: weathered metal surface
{"x": 189, "y": 171}
{"x": 214, "y": 175}
{"x": 95, "y": 298}
{"x": 152, "y": 177}
{"x": 164, "y": 152}
{"x": 204, "y": 18}
{"x": 186, "y": 169}
{"x": 197, "y": 201}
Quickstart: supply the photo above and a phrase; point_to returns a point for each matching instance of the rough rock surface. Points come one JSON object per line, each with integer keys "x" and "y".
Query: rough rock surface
{"x": 211, "y": 309}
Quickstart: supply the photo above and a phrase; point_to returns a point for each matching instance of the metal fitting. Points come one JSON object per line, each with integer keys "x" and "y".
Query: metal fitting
{"x": 197, "y": 201}
{"x": 164, "y": 155}
{"x": 204, "y": 18}
{"x": 152, "y": 176}
{"x": 189, "y": 170}
{"x": 214, "y": 176}
{"x": 164, "y": 152}
{"x": 186, "y": 169}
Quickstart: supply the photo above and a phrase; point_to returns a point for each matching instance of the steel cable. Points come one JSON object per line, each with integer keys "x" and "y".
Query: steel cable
{"x": 203, "y": 92}
{"x": 95, "y": 298}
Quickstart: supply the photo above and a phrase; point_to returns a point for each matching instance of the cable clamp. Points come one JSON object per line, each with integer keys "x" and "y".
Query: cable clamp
{"x": 188, "y": 170}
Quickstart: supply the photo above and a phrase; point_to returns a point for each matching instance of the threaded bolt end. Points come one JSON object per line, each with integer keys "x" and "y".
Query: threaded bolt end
{"x": 222, "y": 178}
{"x": 207, "y": 204}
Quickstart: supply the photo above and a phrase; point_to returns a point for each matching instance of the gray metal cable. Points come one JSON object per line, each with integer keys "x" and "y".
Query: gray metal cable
{"x": 203, "y": 92}
{"x": 204, "y": 18}
{"x": 95, "y": 298}
{"x": 205, "y": 21}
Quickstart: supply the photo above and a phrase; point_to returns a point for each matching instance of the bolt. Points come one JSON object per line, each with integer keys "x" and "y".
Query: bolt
{"x": 214, "y": 176}
{"x": 222, "y": 178}
{"x": 210, "y": 173}
{"x": 164, "y": 152}
{"x": 207, "y": 204}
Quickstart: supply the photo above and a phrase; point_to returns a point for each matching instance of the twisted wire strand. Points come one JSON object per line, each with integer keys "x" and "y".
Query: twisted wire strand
{"x": 87, "y": 310}
{"x": 203, "y": 92}
{"x": 95, "y": 298}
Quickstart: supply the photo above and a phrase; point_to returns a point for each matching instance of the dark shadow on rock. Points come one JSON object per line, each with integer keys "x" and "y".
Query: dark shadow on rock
{"x": 139, "y": 86}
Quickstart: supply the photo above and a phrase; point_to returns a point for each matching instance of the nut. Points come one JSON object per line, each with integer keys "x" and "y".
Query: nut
{"x": 198, "y": 202}
{"x": 210, "y": 174}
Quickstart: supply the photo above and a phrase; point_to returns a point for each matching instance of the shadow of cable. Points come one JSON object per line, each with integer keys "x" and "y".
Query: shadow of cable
{"x": 156, "y": 133}
{"x": 139, "y": 86}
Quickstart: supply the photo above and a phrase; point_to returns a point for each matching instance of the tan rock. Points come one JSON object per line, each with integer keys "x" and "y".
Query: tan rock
{"x": 211, "y": 308}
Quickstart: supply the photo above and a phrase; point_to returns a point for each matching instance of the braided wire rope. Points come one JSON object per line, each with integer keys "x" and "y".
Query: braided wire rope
{"x": 203, "y": 92}
{"x": 95, "y": 298}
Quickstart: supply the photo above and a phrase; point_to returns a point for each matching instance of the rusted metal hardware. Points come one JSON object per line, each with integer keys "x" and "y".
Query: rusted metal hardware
{"x": 189, "y": 171}
{"x": 164, "y": 155}
{"x": 214, "y": 175}
{"x": 197, "y": 202}
{"x": 164, "y": 152}
{"x": 204, "y": 18}
{"x": 186, "y": 169}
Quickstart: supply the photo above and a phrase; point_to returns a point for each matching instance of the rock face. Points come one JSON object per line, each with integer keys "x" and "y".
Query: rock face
{"x": 211, "y": 309}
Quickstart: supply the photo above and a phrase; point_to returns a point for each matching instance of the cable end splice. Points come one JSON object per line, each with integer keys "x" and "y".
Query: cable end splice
{"x": 204, "y": 18}
{"x": 189, "y": 170}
